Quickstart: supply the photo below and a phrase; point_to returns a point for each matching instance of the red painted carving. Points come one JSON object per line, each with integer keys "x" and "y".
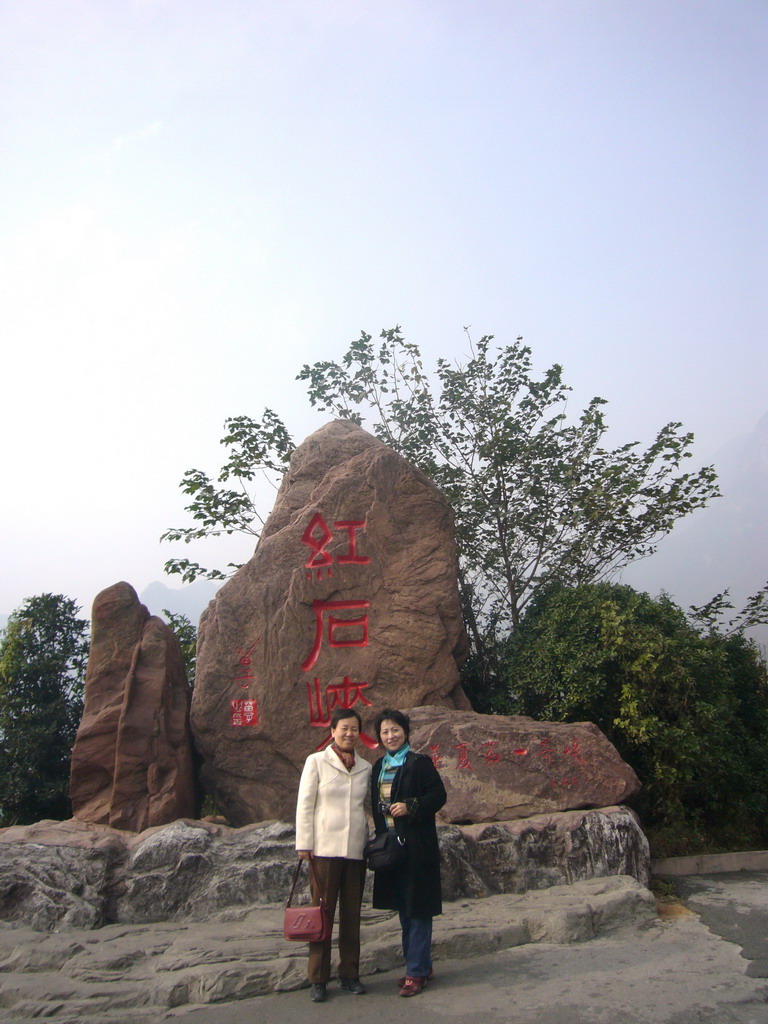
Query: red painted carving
{"x": 463, "y": 762}
{"x": 520, "y": 752}
{"x": 244, "y": 712}
{"x": 343, "y": 695}
{"x": 319, "y": 573}
{"x": 491, "y": 756}
{"x": 351, "y": 557}
{"x": 573, "y": 750}
{"x": 437, "y": 757}
{"x": 334, "y": 624}
{"x": 546, "y": 750}
{"x": 245, "y": 677}
{"x": 317, "y": 542}
{"x": 318, "y": 536}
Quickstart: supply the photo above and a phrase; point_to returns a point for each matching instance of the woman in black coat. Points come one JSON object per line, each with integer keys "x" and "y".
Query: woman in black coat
{"x": 407, "y": 792}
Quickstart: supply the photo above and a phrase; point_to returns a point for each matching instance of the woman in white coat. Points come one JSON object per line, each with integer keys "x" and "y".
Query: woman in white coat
{"x": 331, "y": 830}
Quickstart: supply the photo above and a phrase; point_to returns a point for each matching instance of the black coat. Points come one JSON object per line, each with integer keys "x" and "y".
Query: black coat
{"x": 415, "y": 887}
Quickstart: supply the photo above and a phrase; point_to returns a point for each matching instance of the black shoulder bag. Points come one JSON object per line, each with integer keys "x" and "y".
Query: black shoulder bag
{"x": 386, "y": 851}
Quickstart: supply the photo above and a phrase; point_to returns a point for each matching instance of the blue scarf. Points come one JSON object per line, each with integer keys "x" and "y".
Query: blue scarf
{"x": 395, "y": 760}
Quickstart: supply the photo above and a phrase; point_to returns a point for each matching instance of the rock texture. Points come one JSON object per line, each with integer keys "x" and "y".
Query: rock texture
{"x": 541, "y": 851}
{"x": 56, "y": 876}
{"x": 132, "y": 758}
{"x": 133, "y": 973}
{"x": 498, "y": 767}
{"x": 350, "y": 599}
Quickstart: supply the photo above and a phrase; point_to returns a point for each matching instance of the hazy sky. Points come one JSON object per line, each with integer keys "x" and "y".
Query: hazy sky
{"x": 199, "y": 196}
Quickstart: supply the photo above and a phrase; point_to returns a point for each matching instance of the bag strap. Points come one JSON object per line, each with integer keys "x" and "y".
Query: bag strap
{"x": 297, "y": 872}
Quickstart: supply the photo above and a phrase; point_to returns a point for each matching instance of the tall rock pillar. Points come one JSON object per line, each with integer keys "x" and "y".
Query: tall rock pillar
{"x": 132, "y": 759}
{"x": 350, "y": 599}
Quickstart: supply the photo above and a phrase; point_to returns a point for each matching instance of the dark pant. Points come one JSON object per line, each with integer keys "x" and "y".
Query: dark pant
{"x": 416, "y": 934}
{"x": 340, "y": 879}
{"x": 417, "y": 945}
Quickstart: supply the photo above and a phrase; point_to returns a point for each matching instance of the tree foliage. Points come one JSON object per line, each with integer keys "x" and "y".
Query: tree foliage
{"x": 255, "y": 447}
{"x": 686, "y": 706}
{"x": 536, "y": 498}
{"x": 43, "y": 655}
{"x": 186, "y": 634}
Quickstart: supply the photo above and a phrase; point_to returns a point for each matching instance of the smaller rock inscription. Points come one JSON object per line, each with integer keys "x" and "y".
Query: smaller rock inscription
{"x": 502, "y": 767}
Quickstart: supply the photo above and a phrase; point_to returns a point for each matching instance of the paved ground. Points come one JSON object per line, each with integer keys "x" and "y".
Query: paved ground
{"x": 704, "y": 961}
{"x": 132, "y": 974}
{"x": 701, "y": 964}
{"x": 734, "y": 906}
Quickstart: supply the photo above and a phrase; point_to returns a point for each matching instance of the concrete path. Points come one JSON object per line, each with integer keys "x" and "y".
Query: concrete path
{"x": 734, "y": 906}
{"x": 682, "y": 969}
{"x": 521, "y": 959}
{"x": 675, "y": 973}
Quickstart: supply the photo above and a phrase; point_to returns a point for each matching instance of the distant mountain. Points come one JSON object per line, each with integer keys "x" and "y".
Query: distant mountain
{"x": 724, "y": 545}
{"x": 191, "y": 600}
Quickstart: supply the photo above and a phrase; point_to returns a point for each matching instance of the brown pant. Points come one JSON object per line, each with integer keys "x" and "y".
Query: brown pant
{"x": 340, "y": 879}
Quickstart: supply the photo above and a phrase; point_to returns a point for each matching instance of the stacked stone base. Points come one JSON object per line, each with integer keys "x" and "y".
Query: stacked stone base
{"x": 74, "y": 875}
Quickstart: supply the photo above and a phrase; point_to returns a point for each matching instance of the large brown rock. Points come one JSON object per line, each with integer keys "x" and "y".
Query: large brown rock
{"x": 350, "y": 599}
{"x": 132, "y": 759}
{"x": 499, "y": 767}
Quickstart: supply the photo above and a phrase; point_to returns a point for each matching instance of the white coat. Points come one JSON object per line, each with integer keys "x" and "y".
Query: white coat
{"x": 330, "y": 814}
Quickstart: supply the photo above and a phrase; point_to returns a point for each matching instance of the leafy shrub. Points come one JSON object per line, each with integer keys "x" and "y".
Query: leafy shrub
{"x": 687, "y": 709}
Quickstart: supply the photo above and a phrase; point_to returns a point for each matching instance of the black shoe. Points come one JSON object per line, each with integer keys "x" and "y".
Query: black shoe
{"x": 353, "y": 985}
{"x": 319, "y": 992}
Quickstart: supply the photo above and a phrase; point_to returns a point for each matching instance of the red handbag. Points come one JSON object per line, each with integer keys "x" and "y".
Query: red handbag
{"x": 306, "y": 924}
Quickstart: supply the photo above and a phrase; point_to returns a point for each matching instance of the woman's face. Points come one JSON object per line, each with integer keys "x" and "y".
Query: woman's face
{"x": 392, "y": 735}
{"x": 346, "y": 733}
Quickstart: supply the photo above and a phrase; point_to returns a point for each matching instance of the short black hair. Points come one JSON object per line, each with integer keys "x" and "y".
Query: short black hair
{"x": 339, "y": 713}
{"x": 390, "y": 715}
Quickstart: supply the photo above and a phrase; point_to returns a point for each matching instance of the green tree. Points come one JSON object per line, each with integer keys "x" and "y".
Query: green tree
{"x": 687, "y": 707}
{"x": 186, "y": 634}
{"x": 536, "y": 498}
{"x": 43, "y": 655}
{"x": 256, "y": 448}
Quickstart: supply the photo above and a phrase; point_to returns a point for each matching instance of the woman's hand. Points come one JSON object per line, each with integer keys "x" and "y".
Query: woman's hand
{"x": 304, "y": 854}
{"x": 398, "y": 810}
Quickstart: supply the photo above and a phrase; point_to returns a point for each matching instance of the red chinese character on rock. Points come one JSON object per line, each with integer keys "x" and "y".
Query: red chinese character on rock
{"x": 351, "y": 557}
{"x": 343, "y": 695}
{"x": 463, "y": 761}
{"x": 573, "y": 750}
{"x": 246, "y": 676}
{"x": 317, "y": 537}
{"x": 437, "y": 757}
{"x": 334, "y": 625}
{"x": 244, "y": 712}
{"x": 546, "y": 750}
{"x": 491, "y": 756}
